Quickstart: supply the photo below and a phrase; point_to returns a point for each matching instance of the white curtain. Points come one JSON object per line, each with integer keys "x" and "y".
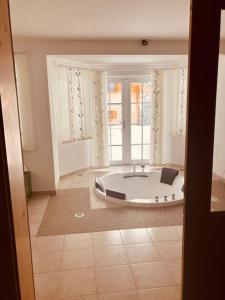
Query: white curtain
{"x": 78, "y": 104}
{"x": 181, "y": 101}
{"x": 63, "y": 105}
{"x": 74, "y": 103}
{"x": 100, "y": 157}
{"x": 155, "y": 119}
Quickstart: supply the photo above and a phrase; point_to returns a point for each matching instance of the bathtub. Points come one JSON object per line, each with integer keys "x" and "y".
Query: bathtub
{"x": 140, "y": 189}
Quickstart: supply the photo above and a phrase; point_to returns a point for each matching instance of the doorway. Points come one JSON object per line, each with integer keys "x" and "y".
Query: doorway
{"x": 128, "y": 103}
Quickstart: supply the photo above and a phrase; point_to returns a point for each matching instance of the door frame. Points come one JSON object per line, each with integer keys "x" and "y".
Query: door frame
{"x": 204, "y": 231}
{"x": 9, "y": 287}
{"x": 16, "y": 262}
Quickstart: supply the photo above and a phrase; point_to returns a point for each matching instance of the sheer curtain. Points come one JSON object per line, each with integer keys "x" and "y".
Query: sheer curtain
{"x": 83, "y": 110}
{"x": 100, "y": 157}
{"x": 155, "y": 119}
{"x": 181, "y": 101}
{"x": 74, "y": 103}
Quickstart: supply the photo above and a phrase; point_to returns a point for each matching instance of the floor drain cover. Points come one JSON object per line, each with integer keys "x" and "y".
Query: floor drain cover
{"x": 79, "y": 215}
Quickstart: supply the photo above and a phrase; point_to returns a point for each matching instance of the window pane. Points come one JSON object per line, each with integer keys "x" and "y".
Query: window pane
{"x": 116, "y": 135}
{"x": 109, "y": 152}
{"x": 115, "y": 90}
{"x": 136, "y": 114}
{"x": 136, "y": 134}
{"x": 136, "y": 92}
{"x": 135, "y": 152}
{"x": 146, "y": 113}
{"x": 116, "y": 152}
{"x": 146, "y": 91}
{"x": 146, "y": 134}
{"x": 146, "y": 150}
{"x": 109, "y": 135}
{"x": 115, "y": 114}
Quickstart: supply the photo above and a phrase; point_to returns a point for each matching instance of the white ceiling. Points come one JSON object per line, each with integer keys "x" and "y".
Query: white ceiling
{"x": 100, "y": 19}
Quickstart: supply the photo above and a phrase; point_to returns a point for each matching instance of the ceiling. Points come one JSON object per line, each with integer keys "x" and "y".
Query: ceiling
{"x": 100, "y": 19}
{"x": 122, "y": 61}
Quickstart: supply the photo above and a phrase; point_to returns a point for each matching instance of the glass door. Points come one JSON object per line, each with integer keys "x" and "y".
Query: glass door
{"x": 128, "y": 104}
{"x": 116, "y": 121}
{"x": 140, "y": 120}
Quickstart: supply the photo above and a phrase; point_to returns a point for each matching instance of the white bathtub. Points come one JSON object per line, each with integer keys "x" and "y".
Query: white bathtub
{"x": 142, "y": 191}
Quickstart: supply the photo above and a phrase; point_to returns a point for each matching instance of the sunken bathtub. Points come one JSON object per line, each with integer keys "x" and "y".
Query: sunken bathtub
{"x": 141, "y": 189}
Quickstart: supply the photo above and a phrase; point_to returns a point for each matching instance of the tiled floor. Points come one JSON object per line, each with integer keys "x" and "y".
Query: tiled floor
{"x": 127, "y": 264}
{"x": 133, "y": 264}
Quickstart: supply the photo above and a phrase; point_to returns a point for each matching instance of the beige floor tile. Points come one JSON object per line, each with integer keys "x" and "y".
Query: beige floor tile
{"x": 93, "y": 297}
{"x": 47, "y": 285}
{"x": 175, "y": 268}
{"x": 129, "y": 295}
{"x": 77, "y": 259}
{"x": 135, "y": 236}
{"x": 170, "y": 250}
{"x": 161, "y": 234}
{"x": 110, "y": 256}
{"x": 149, "y": 275}
{"x": 179, "y": 230}
{"x": 46, "y": 261}
{"x": 34, "y": 229}
{"x": 47, "y": 243}
{"x": 77, "y": 241}
{"x": 107, "y": 238}
{"x": 47, "y": 298}
{"x": 38, "y": 208}
{"x": 77, "y": 283}
{"x": 65, "y": 284}
{"x": 38, "y": 201}
{"x": 35, "y": 218}
{"x": 164, "y": 293}
{"x": 139, "y": 253}
{"x": 114, "y": 279}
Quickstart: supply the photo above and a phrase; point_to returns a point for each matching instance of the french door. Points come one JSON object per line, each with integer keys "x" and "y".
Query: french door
{"x": 128, "y": 104}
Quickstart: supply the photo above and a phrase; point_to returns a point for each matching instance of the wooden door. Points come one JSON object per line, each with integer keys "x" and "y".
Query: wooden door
{"x": 16, "y": 264}
{"x": 204, "y": 231}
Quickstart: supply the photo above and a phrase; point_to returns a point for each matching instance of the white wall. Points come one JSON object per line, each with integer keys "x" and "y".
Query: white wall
{"x": 74, "y": 156}
{"x": 219, "y": 141}
{"x": 24, "y": 102}
{"x": 41, "y": 161}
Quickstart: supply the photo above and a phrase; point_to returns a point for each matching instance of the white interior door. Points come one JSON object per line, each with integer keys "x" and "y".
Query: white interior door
{"x": 128, "y": 120}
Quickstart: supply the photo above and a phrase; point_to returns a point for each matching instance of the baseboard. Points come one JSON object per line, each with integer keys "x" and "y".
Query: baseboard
{"x": 177, "y": 166}
{"x": 218, "y": 177}
{"x": 37, "y": 193}
{"x": 75, "y": 172}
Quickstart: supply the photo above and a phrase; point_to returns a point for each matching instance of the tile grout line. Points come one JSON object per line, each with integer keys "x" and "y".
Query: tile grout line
{"x": 130, "y": 267}
{"x": 93, "y": 249}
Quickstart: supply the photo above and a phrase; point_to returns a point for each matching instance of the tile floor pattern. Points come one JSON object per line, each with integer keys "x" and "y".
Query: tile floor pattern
{"x": 135, "y": 264}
